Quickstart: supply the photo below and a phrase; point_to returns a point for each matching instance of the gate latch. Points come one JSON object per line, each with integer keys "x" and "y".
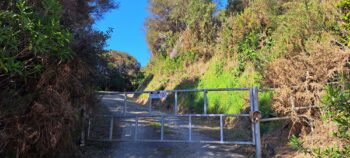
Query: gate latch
{"x": 255, "y": 116}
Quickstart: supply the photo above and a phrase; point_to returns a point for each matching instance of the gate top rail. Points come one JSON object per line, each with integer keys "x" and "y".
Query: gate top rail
{"x": 180, "y": 90}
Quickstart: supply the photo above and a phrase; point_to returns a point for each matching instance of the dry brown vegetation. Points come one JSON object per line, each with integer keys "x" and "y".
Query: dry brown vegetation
{"x": 300, "y": 81}
{"x": 302, "y": 77}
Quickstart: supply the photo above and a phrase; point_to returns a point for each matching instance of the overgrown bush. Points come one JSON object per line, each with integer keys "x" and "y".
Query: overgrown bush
{"x": 337, "y": 108}
{"x": 119, "y": 72}
{"x": 29, "y": 37}
{"x": 48, "y": 60}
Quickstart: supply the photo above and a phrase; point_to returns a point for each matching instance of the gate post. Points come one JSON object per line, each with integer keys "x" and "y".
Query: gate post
{"x": 205, "y": 101}
{"x": 125, "y": 102}
{"x": 175, "y": 103}
{"x": 256, "y": 123}
{"x": 150, "y": 103}
{"x": 82, "y": 134}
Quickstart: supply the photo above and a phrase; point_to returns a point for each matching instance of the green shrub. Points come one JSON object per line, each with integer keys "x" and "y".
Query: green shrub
{"x": 338, "y": 109}
{"x": 28, "y": 36}
{"x": 344, "y": 5}
{"x": 247, "y": 49}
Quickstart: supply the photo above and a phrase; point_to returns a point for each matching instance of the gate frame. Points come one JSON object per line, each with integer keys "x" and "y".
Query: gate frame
{"x": 254, "y": 115}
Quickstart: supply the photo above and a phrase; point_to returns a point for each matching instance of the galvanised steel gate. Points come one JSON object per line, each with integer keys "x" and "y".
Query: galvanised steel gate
{"x": 254, "y": 116}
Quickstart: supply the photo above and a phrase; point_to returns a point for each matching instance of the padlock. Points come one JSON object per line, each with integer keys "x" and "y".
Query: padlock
{"x": 255, "y": 116}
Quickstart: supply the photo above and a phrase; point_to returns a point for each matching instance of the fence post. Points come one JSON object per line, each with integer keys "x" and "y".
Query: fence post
{"x": 111, "y": 128}
{"x": 162, "y": 129}
{"x": 205, "y": 101}
{"x": 89, "y": 127}
{"x": 189, "y": 127}
{"x": 82, "y": 134}
{"x": 136, "y": 125}
{"x": 257, "y": 124}
{"x": 125, "y": 102}
{"x": 221, "y": 129}
{"x": 150, "y": 103}
{"x": 175, "y": 104}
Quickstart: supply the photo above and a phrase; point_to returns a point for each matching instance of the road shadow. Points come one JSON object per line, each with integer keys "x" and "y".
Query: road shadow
{"x": 187, "y": 102}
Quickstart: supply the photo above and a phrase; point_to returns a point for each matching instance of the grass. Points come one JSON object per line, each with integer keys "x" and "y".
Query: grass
{"x": 218, "y": 75}
{"x": 228, "y": 102}
{"x": 157, "y": 126}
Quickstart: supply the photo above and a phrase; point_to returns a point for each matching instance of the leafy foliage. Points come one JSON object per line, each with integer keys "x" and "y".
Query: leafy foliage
{"x": 121, "y": 72}
{"x": 337, "y": 105}
{"x": 180, "y": 26}
{"x": 247, "y": 50}
{"x": 48, "y": 63}
{"x": 344, "y": 5}
{"x": 27, "y": 38}
{"x": 236, "y": 6}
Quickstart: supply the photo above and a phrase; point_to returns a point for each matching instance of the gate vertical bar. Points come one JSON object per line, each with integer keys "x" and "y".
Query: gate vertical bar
{"x": 89, "y": 127}
{"x": 189, "y": 128}
{"x": 221, "y": 129}
{"x": 136, "y": 126}
{"x": 257, "y": 124}
{"x": 82, "y": 134}
{"x": 125, "y": 102}
{"x": 111, "y": 128}
{"x": 150, "y": 103}
{"x": 162, "y": 129}
{"x": 175, "y": 104}
{"x": 205, "y": 101}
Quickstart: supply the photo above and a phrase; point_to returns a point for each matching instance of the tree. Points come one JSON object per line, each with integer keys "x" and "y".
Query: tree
{"x": 166, "y": 20}
{"x": 120, "y": 72}
{"x": 236, "y": 6}
{"x": 48, "y": 60}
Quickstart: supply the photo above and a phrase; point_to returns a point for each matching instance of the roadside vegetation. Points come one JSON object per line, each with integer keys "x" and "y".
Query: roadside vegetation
{"x": 295, "y": 47}
{"x": 119, "y": 72}
{"x": 49, "y": 54}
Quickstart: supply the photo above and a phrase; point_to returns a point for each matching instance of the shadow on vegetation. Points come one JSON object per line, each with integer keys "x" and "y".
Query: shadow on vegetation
{"x": 188, "y": 102}
{"x": 143, "y": 85}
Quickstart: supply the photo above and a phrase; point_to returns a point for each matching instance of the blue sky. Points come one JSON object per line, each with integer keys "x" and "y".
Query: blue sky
{"x": 128, "y": 23}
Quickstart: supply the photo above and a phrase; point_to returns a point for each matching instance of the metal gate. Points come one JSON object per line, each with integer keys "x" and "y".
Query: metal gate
{"x": 254, "y": 115}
